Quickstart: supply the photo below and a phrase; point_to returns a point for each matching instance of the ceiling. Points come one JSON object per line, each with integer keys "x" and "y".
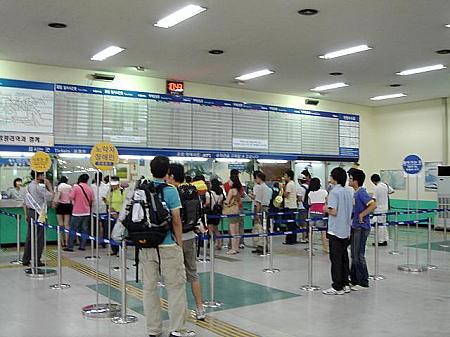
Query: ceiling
{"x": 254, "y": 34}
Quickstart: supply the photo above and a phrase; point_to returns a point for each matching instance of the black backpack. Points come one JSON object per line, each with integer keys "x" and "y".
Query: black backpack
{"x": 155, "y": 219}
{"x": 305, "y": 201}
{"x": 191, "y": 211}
{"x": 218, "y": 206}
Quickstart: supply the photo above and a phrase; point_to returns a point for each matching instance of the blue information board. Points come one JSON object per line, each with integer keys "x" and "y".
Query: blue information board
{"x": 412, "y": 164}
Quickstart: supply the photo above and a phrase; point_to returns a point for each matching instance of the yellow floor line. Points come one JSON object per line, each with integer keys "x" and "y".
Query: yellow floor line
{"x": 214, "y": 325}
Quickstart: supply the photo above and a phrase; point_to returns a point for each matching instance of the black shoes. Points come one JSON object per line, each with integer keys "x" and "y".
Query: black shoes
{"x": 68, "y": 250}
{"x": 384, "y": 243}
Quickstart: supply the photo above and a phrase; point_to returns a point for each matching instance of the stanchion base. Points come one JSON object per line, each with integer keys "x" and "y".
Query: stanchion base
{"x": 101, "y": 310}
{"x": 92, "y": 257}
{"x": 118, "y": 268}
{"x": 395, "y": 252}
{"x": 431, "y": 266}
{"x": 377, "y": 277}
{"x": 59, "y": 286}
{"x": 444, "y": 246}
{"x": 16, "y": 262}
{"x": 308, "y": 287}
{"x": 271, "y": 270}
{"x": 412, "y": 268}
{"x": 40, "y": 273}
{"x": 264, "y": 255}
{"x": 204, "y": 260}
{"x": 124, "y": 319}
{"x": 212, "y": 304}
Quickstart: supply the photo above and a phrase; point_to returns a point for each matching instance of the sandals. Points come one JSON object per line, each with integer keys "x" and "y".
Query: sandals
{"x": 232, "y": 252}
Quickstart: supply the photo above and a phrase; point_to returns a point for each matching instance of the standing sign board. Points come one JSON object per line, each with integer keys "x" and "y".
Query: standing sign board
{"x": 104, "y": 156}
{"x": 40, "y": 162}
{"x": 412, "y": 164}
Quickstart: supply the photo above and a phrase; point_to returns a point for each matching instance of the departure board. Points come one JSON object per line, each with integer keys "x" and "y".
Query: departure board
{"x": 285, "y": 132}
{"x": 125, "y": 118}
{"x": 169, "y": 124}
{"x": 320, "y": 135}
{"x": 212, "y": 125}
{"x": 250, "y": 129}
{"x": 78, "y": 114}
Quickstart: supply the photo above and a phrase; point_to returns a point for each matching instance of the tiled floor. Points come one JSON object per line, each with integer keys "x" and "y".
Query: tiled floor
{"x": 262, "y": 304}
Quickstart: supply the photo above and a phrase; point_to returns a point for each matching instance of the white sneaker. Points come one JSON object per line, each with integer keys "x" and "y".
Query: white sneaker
{"x": 347, "y": 289}
{"x": 200, "y": 315}
{"x": 332, "y": 291}
{"x": 359, "y": 288}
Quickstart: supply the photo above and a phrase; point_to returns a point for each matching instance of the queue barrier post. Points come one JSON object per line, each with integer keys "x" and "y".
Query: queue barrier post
{"x": 204, "y": 259}
{"x": 376, "y": 276}
{"x": 18, "y": 260}
{"x": 310, "y": 286}
{"x": 34, "y": 271}
{"x": 59, "y": 285}
{"x": 430, "y": 266}
{"x": 271, "y": 269}
{"x": 395, "y": 251}
{"x": 212, "y": 303}
{"x": 413, "y": 267}
{"x": 123, "y": 318}
{"x": 264, "y": 225}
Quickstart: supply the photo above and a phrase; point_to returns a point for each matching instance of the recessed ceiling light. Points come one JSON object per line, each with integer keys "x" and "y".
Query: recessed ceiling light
{"x": 308, "y": 11}
{"x": 108, "y": 52}
{"x": 421, "y": 70}
{"x": 180, "y": 15}
{"x": 254, "y": 74}
{"x": 379, "y": 98}
{"x": 443, "y": 51}
{"x": 347, "y": 51}
{"x": 330, "y": 86}
{"x": 57, "y": 25}
{"x": 447, "y": 26}
{"x": 216, "y": 51}
{"x": 336, "y": 73}
{"x": 140, "y": 68}
{"x": 395, "y": 85}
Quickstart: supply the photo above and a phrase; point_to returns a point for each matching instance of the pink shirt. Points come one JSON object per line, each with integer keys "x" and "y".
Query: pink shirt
{"x": 81, "y": 204}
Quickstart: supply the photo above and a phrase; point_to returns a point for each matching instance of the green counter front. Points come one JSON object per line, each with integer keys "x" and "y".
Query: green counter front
{"x": 8, "y": 226}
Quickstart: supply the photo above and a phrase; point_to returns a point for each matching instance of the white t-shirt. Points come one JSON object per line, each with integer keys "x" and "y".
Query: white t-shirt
{"x": 263, "y": 194}
{"x": 291, "y": 200}
{"x": 301, "y": 192}
{"x": 380, "y": 194}
{"x": 318, "y": 197}
{"x": 256, "y": 192}
{"x": 103, "y": 192}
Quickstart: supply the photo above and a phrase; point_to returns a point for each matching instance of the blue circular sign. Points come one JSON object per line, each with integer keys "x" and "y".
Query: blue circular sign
{"x": 412, "y": 164}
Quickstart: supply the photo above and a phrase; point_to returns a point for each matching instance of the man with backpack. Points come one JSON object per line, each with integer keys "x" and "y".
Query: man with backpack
{"x": 191, "y": 213}
{"x": 153, "y": 220}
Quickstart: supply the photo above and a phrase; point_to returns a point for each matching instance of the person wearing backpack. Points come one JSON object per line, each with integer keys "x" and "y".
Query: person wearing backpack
{"x": 164, "y": 255}
{"x": 114, "y": 201}
{"x": 214, "y": 206}
{"x": 302, "y": 199}
{"x": 191, "y": 213}
{"x": 81, "y": 196}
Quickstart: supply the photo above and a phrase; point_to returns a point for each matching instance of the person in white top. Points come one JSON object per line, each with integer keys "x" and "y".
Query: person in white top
{"x": 302, "y": 200}
{"x": 290, "y": 206}
{"x": 381, "y": 195}
{"x": 262, "y": 197}
{"x": 317, "y": 198}
{"x": 99, "y": 205}
{"x": 63, "y": 206}
{"x": 214, "y": 200}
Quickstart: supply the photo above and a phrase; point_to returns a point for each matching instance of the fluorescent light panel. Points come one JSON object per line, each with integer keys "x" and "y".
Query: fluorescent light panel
{"x": 74, "y": 155}
{"x": 254, "y": 74}
{"x": 105, "y": 53}
{"x": 188, "y": 159}
{"x": 130, "y": 156}
{"x": 272, "y": 161}
{"x": 330, "y": 86}
{"x": 180, "y": 15}
{"x": 380, "y": 98}
{"x": 421, "y": 70}
{"x": 232, "y": 160}
{"x": 11, "y": 154}
{"x": 447, "y": 26}
{"x": 347, "y": 51}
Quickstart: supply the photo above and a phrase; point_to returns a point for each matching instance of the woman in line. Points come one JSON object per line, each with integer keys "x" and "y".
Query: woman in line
{"x": 213, "y": 206}
{"x": 231, "y": 206}
{"x": 317, "y": 198}
{"x": 63, "y": 206}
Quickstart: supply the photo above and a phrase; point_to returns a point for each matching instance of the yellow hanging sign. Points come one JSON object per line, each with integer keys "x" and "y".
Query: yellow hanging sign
{"x": 104, "y": 156}
{"x": 40, "y": 162}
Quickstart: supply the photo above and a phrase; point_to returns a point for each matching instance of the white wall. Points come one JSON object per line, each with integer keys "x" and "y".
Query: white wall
{"x": 405, "y": 129}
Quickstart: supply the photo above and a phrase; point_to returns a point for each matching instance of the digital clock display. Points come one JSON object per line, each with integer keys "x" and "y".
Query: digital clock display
{"x": 175, "y": 88}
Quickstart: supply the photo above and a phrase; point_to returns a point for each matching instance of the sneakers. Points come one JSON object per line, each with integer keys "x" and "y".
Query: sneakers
{"x": 185, "y": 333}
{"x": 241, "y": 246}
{"x": 347, "y": 289}
{"x": 200, "y": 315}
{"x": 332, "y": 291}
{"x": 358, "y": 288}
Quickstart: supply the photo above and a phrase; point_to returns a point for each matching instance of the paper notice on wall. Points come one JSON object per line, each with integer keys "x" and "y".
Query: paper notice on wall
{"x": 27, "y": 139}
{"x": 241, "y": 143}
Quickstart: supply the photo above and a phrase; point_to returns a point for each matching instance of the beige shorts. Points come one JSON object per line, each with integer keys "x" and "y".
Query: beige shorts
{"x": 190, "y": 260}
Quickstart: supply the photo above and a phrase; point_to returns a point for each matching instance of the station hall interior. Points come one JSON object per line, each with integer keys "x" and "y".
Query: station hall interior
{"x": 253, "y": 86}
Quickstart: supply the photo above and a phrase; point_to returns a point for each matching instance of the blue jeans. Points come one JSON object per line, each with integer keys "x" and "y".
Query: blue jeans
{"x": 79, "y": 224}
{"x": 358, "y": 272}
